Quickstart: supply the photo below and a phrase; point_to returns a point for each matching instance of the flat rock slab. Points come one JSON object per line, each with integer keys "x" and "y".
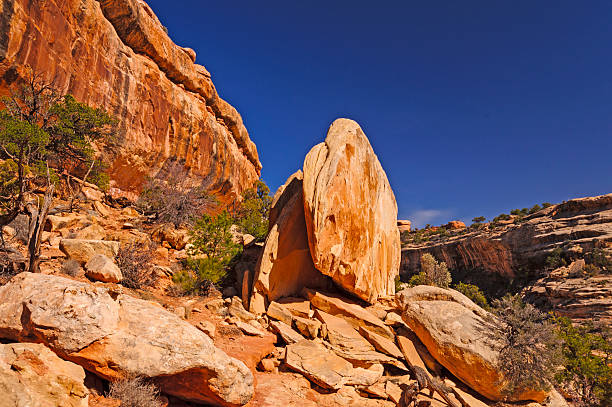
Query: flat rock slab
{"x": 351, "y": 213}
{"x": 286, "y": 332}
{"x": 112, "y": 334}
{"x": 348, "y": 310}
{"x": 32, "y": 375}
{"x": 381, "y": 343}
{"x": 346, "y": 342}
{"x": 324, "y": 368}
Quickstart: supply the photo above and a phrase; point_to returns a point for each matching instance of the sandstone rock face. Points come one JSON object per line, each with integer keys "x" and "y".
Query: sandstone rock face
{"x": 285, "y": 266}
{"x": 577, "y": 224}
{"x": 32, "y": 375}
{"x": 351, "y": 213}
{"x": 452, "y": 328}
{"x": 112, "y": 334}
{"x": 115, "y": 54}
{"x": 101, "y": 268}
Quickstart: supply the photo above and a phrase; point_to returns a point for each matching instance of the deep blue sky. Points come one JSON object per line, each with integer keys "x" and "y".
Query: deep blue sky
{"x": 473, "y": 107}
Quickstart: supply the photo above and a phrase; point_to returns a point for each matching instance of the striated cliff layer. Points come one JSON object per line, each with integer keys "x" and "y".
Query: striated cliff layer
{"x": 575, "y": 226}
{"x": 495, "y": 257}
{"x": 117, "y": 55}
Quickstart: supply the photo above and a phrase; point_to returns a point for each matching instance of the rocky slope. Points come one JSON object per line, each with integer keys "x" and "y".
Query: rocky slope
{"x": 116, "y": 54}
{"x": 505, "y": 252}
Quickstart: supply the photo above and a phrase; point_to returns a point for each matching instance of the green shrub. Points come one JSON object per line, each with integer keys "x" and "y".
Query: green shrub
{"x": 535, "y": 208}
{"x": 546, "y": 205}
{"x": 530, "y": 347}
{"x": 473, "y": 293}
{"x": 432, "y": 273}
{"x": 479, "y": 219}
{"x": 252, "y": 216}
{"x": 210, "y": 255}
{"x": 555, "y": 259}
{"x": 398, "y": 283}
{"x": 599, "y": 258}
{"x": 501, "y": 217}
{"x": 586, "y": 374}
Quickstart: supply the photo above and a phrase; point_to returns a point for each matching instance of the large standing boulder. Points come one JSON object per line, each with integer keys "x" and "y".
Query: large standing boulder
{"x": 285, "y": 266}
{"x": 114, "y": 335}
{"x": 351, "y": 213}
{"x": 454, "y": 330}
{"x": 32, "y": 375}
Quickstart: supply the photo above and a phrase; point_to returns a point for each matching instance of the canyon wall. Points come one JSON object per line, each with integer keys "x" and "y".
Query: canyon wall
{"x": 117, "y": 55}
{"x": 574, "y": 226}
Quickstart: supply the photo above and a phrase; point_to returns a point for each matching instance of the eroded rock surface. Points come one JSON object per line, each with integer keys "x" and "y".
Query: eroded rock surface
{"x": 113, "y": 335}
{"x": 32, "y": 375}
{"x": 116, "y": 54}
{"x": 351, "y": 213}
{"x": 453, "y": 329}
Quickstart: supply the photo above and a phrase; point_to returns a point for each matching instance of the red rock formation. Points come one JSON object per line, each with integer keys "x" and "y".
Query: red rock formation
{"x": 117, "y": 55}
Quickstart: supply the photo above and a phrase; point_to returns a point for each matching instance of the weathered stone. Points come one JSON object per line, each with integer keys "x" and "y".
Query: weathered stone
{"x": 91, "y": 232}
{"x": 346, "y": 342}
{"x": 404, "y": 225}
{"x": 297, "y": 306}
{"x": 249, "y": 329}
{"x": 351, "y": 213}
{"x": 32, "y": 375}
{"x": 318, "y": 364}
{"x": 453, "y": 329}
{"x": 101, "y": 268}
{"x": 113, "y": 335}
{"x": 83, "y": 250}
{"x": 285, "y": 332}
{"x": 207, "y": 327}
{"x": 236, "y": 309}
{"x": 393, "y": 391}
{"x": 116, "y": 55}
{"x": 176, "y": 238}
{"x": 279, "y": 312}
{"x": 285, "y": 266}
{"x": 410, "y": 352}
{"x": 348, "y": 310}
{"x": 381, "y": 343}
{"x": 308, "y": 327}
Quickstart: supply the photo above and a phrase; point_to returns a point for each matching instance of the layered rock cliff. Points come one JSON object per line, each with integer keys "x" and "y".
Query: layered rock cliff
{"x": 574, "y": 226}
{"x": 117, "y": 55}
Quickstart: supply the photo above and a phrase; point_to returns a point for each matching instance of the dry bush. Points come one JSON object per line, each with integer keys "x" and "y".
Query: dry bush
{"x": 530, "y": 347}
{"x": 71, "y": 267}
{"x": 432, "y": 273}
{"x": 169, "y": 199}
{"x": 134, "y": 260}
{"x": 135, "y": 392}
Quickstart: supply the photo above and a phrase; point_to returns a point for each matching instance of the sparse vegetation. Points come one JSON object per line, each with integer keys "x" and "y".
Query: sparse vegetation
{"x": 432, "y": 273}
{"x": 252, "y": 216}
{"x": 44, "y": 138}
{"x": 586, "y": 374}
{"x": 135, "y": 392}
{"x": 530, "y": 347}
{"x": 71, "y": 267}
{"x": 211, "y": 255}
{"x": 168, "y": 198}
{"x": 134, "y": 260}
{"x": 555, "y": 259}
{"x": 473, "y": 293}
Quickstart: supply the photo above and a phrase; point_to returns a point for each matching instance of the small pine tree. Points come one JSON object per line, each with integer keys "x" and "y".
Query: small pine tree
{"x": 252, "y": 216}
